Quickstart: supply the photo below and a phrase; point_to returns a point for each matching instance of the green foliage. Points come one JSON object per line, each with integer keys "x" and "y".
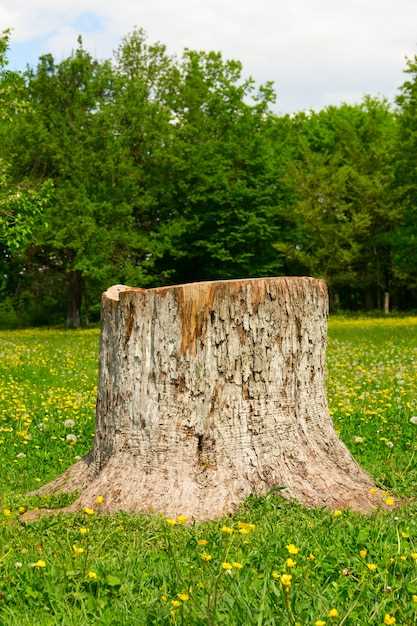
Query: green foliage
{"x": 151, "y": 169}
{"x": 133, "y": 567}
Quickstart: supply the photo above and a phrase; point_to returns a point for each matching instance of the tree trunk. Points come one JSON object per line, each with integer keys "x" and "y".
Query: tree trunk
{"x": 386, "y": 302}
{"x": 209, "y": 392}
{"x": 74, "y": 299}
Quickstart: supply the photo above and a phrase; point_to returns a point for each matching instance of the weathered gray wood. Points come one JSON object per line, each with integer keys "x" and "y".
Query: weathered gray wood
{"x": 209, "y": 392}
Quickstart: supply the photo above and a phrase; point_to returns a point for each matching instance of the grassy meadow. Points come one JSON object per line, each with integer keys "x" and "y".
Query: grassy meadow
{"x": 272, "y": 563}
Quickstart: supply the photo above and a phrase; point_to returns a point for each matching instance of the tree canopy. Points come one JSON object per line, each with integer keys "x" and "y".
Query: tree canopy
{"x": 152, "y": 169}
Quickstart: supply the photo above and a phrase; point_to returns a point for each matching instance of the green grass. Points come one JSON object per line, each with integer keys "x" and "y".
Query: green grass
{"x": 142, "y": 564}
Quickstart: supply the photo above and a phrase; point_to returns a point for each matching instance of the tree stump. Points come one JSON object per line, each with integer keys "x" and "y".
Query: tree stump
{"x": 212, "y": 391}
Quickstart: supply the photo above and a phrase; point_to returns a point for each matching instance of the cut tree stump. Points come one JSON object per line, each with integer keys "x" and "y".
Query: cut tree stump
{"x": 209, "y": 392}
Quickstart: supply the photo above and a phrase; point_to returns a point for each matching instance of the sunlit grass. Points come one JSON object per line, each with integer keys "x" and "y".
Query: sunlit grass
{"x": 83, "y": 569}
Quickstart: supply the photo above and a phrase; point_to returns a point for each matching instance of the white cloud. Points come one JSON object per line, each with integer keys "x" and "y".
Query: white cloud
{"x": 317, "y": 51}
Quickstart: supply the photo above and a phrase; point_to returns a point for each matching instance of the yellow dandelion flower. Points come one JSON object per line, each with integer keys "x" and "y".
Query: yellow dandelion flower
{"x": 7, "y": 512}
{"x": 100, "y": 500}
{"x": 175, "y": 603}
{"x": 389, "y": 501}
{"x": 414, "y": 556}
{"x": 164, "y": 597}
{"x": 246, "y": 525}
{"x": 77, "y": 550}
{"x": 275, "y": 574}
{"x": 319, "y": 622}
{"x": 202, "y": 542}
{"x": 290, "y": 563}
{"x": 373, "y": 491}
{"x": 244, "y": 531}
{"x": 237, "y": 565}
{"x": 39, "y": 564}
{"x": 88, "y": 511}
{"x": 206, "y": 557}
{"x": 184, "y": 596}
{"x": 286, "y": 580}
{"x": 181, "y": 519}
{"x": 226, "y": 565}
{"x": 337, "y": 513}
{"x": 292, "y": 549}
{"x": 171, "y": 521}
{"x": 371, "y": 566}
{"x": 363, "y": 553}
{"x": 226, "y": 530}
{"x": 22, "y": 509}
{"x": 83, "y": 530}
{"x": 389, "y": 619}
{"x": 333, "y": 613}
{"x": 403, "y": 557}
{"x": 91, "y": 574}
{"x": 415, "y": 599}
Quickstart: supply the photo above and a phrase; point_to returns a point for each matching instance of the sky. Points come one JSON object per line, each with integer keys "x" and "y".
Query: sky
{"x": 317, "y": 52}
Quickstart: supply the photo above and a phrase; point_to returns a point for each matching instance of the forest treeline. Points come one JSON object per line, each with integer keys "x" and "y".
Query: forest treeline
{"x": 149, "y": 169}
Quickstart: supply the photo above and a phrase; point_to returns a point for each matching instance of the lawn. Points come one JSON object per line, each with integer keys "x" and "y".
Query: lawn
{"x": 273, "y": 562}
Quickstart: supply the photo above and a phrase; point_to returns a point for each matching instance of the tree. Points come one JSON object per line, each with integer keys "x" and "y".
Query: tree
{"x": 405, "y": 186}
{"x": 209, "y": 392}
{"x": 344, "y": 211}
{"x": 67, "y": 136}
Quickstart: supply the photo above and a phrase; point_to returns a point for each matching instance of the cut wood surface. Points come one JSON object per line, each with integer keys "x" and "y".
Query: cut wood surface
{"x": 209, "y": 392}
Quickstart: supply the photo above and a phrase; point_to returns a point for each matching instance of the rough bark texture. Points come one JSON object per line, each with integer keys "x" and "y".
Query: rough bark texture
{"x": 209, "y": 392}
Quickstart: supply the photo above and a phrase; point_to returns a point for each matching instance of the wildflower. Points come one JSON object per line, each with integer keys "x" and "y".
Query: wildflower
{"x": 286, "y": 580}
{"x": 18, "y": 564}
{"x": 83, "y": 531}
{"x": 175, "y": 603}
{"x": 373, "y": 491}
{"x": 22, "y": 509}
{"x": 21, "y": 455}
{"x": 337, "y": 513}
{"x": 7, "y": 512}
{"x": 226, "y": 565}
{"x": 358, "y": 439}
{"x": 237, "y": 565}
{"x": 184, "y": 596}
{"x": 363, "y": 553}
{"x": 371, "y": 566}
{"x": 333, "y": 613}
{"x": 290, "y": 563}
{"x": 275, "y": 574}
{"x": 311, "y": 557}
{"x": 202, "y": 542}
{"x": 319, "y": 622}
{"x": 246, "y": 526}
{"x": 389, "y": 501}
{"x": 414, "y": 556}
{"x": 100, "y": 500}
{"x": 164, "y": 597}
{"x": 181, "y": 519}
{"x": 69, "y": 423}
{"x": 77, "y": 550}
{"x": 206, "y": 557}
{"x": 244, "y": 531}
{"x": 226, "y": 530}
{"x": 92, "y": 575}
{"x": 88, "y": 511}
{"x": 39, "y": 564}
{"x": 389, "y": 619}
{"x": 405, "y": 535}
{"x": 171, "y": 521}
{"x": 292, "y": 549}
{"x": 415, "y": 599}
{"x": 413, "y": 419}
{"x": 71, "y": 439}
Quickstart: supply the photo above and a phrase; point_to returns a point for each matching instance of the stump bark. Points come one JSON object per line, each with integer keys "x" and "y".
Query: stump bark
{"x": 212, "y": 391}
